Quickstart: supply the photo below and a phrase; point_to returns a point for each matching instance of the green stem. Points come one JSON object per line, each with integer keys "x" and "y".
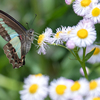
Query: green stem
{"x": 75, "y": 54}
{"x": 83, "y": 63}
{"x": 63, "y": 47}
{"x": 10, "y": 84}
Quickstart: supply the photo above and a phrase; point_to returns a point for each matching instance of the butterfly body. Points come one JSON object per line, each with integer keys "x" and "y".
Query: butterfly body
{"x": 28, "y": 39}
{"x": 19, "y": 39}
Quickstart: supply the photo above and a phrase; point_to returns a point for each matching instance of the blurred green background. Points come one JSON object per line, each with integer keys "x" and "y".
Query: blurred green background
{"x": 57, "y": 62}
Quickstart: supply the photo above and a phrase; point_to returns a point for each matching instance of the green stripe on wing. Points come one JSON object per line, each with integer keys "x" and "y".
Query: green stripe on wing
{"x": 17, "y": 45}
{"x": 9, "y": 30}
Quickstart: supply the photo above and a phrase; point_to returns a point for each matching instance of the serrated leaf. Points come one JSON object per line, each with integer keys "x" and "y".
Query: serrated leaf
{"x": 89, "y": 54}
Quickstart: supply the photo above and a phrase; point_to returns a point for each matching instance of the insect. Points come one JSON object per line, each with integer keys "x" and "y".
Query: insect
{"x": 18, "y": 37}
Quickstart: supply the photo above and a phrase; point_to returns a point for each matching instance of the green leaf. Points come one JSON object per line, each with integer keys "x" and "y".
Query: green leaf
{"x": 3, "y": 61}
{"x": 10, "y": 84}
{"x": 4, "y": 95}
{"x": 97, "y": 43}
{"x": 89, "y": 54}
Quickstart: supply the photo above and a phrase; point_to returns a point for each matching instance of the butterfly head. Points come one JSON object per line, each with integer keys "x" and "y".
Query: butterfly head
{"x": 30, "y": 34}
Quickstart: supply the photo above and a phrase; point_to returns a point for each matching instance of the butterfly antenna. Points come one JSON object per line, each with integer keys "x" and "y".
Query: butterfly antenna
{"x": 27, "y": 25}
{"x": 33, "y": 19}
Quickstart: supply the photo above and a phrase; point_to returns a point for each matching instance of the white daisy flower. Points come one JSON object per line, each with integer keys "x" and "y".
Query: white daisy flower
{"x": 78, "y": 97}
{"x": 83, "y": 35}
{"x": 94, "y": 13}
{"x": 94, "y": 87}
{"x": 80, "y": 87}
{"x": 60, "y": 89}
{"x": 95, "y": 58}
{"x": 35, "y": 88}
{"x": 81, "y": 6}
{"x": 31, "y": 77}
{"x": 58, "y": 37}
{"x": 86, "y": 22}
{"x": 42, "y": 39}
{"x": 65, "y": 36}
{"x": 93, "y": 98}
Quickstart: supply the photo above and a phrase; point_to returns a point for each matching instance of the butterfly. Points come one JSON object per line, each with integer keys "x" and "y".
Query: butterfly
{"x": 18, "y": 37}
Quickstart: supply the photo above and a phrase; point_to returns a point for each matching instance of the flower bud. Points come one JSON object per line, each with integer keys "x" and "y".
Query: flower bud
{"x": 70, "y": 44}
{"x": 68, "y": 2}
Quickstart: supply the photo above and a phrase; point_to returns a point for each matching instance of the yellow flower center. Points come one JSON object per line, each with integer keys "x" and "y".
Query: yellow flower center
{"x": 93, "y": 85}
{"x": 76, "y": 86}
{"x": 96, "y": 52}
{"x": 38, "y": 75}
{"x": 82, "y": 33}
{"x": 68, "y": 32}
{"x": 96, "y": 98}
{"x": 57, "y": 34}
{"x": 95, "y": 12}
{"x": 85, "y": 3}
{"x": 40, "y": 39}
{"x": 33, "y": 88}
{"x": 60, "y": 89}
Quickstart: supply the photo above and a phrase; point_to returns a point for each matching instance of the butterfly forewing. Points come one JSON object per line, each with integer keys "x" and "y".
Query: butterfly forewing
{"x": 11, "y": 22}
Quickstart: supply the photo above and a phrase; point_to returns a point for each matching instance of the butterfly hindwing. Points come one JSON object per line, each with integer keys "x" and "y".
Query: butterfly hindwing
{"x": 16, "y": 43}
{"x": 11, "y": 54}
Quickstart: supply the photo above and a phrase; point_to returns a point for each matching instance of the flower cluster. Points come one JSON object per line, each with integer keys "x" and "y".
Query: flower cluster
{"x": 36, "y": 88}
{"x": 81, "y": 35}
{"x": 66, "y": 89}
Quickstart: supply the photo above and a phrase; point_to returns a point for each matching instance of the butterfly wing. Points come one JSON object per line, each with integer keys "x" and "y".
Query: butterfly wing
{"x": 9, "y": 26}
{"x": 13, "y": 57}
{"x": 17, "y": 45}
{"x": 11, "y": 30}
